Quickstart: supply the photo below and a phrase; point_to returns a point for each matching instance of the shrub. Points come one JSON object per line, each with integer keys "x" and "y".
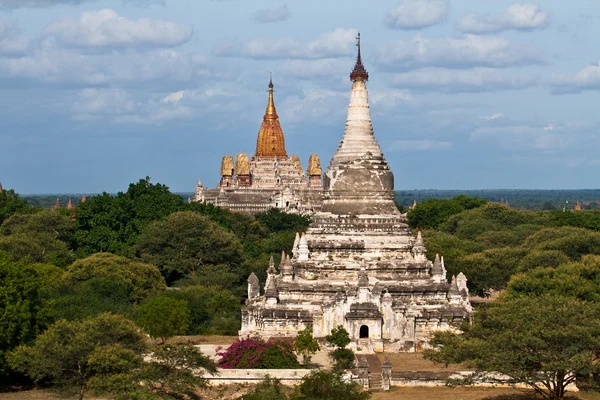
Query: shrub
{"x": 338, "y": 337}
{"x": 256, "y": 353}
{"x": 306, "y": 345}
{"x": 326, "y": 385}
{"x": 342, "y": 359}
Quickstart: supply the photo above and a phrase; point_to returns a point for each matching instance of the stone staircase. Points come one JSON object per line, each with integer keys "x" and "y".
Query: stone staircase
{"x": 375, "y": 382}
{"x": 375, "y": 379}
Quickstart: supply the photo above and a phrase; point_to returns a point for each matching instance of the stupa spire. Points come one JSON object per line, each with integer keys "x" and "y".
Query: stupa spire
{"x": 359, "y": 72}
{"x": 270, "y": 142}
{"x": 359, "y": 180}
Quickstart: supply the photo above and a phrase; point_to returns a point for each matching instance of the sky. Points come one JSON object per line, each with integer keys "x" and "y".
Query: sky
{"x": 464, "y": 94}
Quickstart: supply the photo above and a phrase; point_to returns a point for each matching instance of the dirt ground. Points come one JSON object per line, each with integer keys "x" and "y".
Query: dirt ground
{"x": 232, "y": 392}
{"x": 447, "y": 393}
{"x": 416, "y": 362}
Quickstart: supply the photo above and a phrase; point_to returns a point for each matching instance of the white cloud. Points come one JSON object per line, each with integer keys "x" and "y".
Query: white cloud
{"x": 173, "y": 97}
{"x": 586, "y": 79}
{"x": 492, "y": 116}
{"x": 384, "y": 101}
{"x": 155, "y": 110}
{"x": 315, "y": 105}
{"x": 339, "y": 43}
{"x": 160, "y": 68}
{"x": 93, "y": 103}
{"x": 12, "y": 40}
{"x": 527, "y": 137}
{"x": 11, "y": 4}
{"x": 416, "y": 14}
{"x": 464, "y": 52}
{"x": 266, "y": 16}
{"x": 419, "y": 145}
{"x": 105, "y": 28}
{"x": 520, "y": 16}
{"x": 456, "y": 81}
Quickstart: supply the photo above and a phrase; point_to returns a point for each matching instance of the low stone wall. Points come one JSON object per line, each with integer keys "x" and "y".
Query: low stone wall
{"x": 229, "y": 376}
{"x": 430, "y": 379}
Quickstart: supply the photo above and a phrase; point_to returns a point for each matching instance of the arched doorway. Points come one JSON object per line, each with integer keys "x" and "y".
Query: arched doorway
{"x": 364, "y": 332}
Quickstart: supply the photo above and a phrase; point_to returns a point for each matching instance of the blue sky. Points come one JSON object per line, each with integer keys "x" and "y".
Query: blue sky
{"x": 464, "y": 93}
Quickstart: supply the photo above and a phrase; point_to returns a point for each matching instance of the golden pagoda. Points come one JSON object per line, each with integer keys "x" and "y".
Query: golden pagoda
{"x": 270, "y": 179}
{"x": 270, "y": 142}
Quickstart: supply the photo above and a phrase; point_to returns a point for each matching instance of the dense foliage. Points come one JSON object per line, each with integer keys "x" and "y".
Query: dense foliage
{"x": 61, "y": 269}
{"x": 256, "y": 353}
{"x": 544, "y": 341}
{"x": 163, "y": 317}
{"x": 24, "y": 310}
{"x": 64, "y": 354}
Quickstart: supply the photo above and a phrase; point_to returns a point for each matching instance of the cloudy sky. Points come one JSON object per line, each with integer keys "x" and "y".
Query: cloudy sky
{"x": 96, "y": 94}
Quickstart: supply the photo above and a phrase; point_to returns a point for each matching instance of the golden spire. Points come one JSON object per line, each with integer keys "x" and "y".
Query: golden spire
{"x": 270, "y": 142}
{"x": 271, "y": 112}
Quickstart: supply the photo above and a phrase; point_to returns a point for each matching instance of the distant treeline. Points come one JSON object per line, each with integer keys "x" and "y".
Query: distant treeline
{"x": 589, "y": 199}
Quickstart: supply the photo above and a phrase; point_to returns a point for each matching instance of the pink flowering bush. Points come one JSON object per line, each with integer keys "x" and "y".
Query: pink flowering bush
{"x": 256, "y": 353}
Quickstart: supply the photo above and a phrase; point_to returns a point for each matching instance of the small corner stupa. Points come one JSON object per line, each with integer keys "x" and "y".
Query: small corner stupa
{"x": 270, "y": 179}
{"x": 358, "y": 265}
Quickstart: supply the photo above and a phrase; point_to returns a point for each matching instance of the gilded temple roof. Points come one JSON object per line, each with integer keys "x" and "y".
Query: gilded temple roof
{"x": 270, "y": 142}
{"x": 314, "y": 165}
{"x": 242, "y": 165}
{"x": 227, "y": 166}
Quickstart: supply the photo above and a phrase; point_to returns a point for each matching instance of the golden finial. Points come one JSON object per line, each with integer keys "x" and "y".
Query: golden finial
{"x": 271, "y": 113}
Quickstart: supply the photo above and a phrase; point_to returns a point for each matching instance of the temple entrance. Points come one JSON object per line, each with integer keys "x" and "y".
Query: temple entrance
{"x": 364, "y": 332}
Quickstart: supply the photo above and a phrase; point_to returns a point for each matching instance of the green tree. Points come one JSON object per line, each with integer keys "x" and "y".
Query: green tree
{"x": 276, "y": 221}
{"x": 339, "y": 337}
{"x": 141, "y": 280}
{"x": 306, "y": 345}
{"x": 342, "y": 357}
{"x": 213, "y": 310}
{"x": 62, "y": 355}
{"x": 163, "y": 317}
{"x": 10, "y": 203}
{"x": 184, "y": 242}
{"x": 113, "y": 223}
{"x": 433, "y": 212}
{"x": 542, "y": 258}
{"x": 490, "y": 269}
{"x": 171, "y": 372}
{"x": 574, "y": 279}
{"x": 267, "y": 389}
{"x": 37, "y": 248}
{"x": 25, "y": 312}
{"x": 90, "y": 298}
{"x": 58, "y": 223}
{"x": 327, "y": 385}
{"x": 542, "y": 341}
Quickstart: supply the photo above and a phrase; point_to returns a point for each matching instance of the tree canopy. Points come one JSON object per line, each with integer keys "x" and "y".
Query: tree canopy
{"x": 140, "y": 279}
{"x": 25, "y": 311}
{"x": 184, "y": 242}
{"x": 163, "y": 317}
{"x": 65, "y": 353}
{"x": 543, "y": 341}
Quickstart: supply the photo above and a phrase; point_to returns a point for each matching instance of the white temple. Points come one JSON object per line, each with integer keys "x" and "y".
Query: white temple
{"x": 358, "y": 264}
